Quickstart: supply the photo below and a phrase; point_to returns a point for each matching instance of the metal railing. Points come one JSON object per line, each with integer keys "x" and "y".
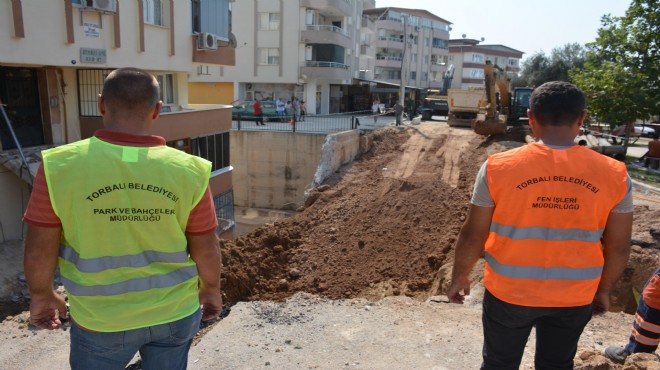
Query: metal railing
{"x": 390, "y": 38}
{"x": 389, "y": 57}
{"x": 322, "y": 27}
{"x": 321, "y": 64}
{"x": 303, "y": 124}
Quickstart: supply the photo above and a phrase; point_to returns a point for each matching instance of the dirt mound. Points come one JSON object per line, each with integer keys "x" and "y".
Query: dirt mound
{"x": 386, "y": 225}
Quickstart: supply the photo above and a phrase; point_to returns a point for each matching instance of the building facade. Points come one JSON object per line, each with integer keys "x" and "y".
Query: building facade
{"x": 54, "y": 56}
{"x": 410, "y": 43}
{"x": 305, "y": 49}
{"x": 468, "y": 57}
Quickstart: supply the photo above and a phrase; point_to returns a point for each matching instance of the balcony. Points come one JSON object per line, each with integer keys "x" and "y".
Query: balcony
{"x": 388, "y": 61}
{"x": 389, "y": 24}
{"x": 325, "y": 34}
{"x": 337, "y": 8}
{"x": 224, "y": 55}
{"x": 194, "y": 121}
{"x": 437, "y": 67}
{"x": 325, "y": 70}
{"x": 389, "y": 43}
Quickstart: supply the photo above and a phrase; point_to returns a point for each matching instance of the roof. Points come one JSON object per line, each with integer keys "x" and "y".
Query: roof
{"x": 500, "y": 47}
{"x": 475, "y": 43}
{"x": 421, "y": 13}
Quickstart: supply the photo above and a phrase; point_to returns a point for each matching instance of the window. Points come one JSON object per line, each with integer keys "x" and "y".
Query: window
{"x": 224, "y": 211}
{"x": 476, "y": 73}
{"x": 426, "y": 41}
{"x": 166, "y": 83}
{"x": 513, "y": 62}
{"x": 214, "y": 148}
{"x": 269, "y": 21}
{"x": 426, "y": 59}
{"x": 90, "y": 85}
{"x": 425, "y": 76}
{"x": 212, "y": 16}
{"x": 414, "y": 58}
{"x": 477, "y": 58}
{"x": 269, "y": 56}
{"x": 413, "y": 75}
{"x": 153, "y": 12}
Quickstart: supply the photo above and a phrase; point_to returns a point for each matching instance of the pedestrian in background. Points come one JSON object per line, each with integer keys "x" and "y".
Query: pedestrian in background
{"x": 303, "y": 110}
{"x": 136, "y": 223}
{"x": 375, "y": 110}
{"x": 645, "y": 335}
{"x": 258, "y": 113}
{"x": 296, "y": 108}
{"x": 398, "y": 112}
{"x": 553, "y": 221}
{"x": 288, "y": 108}
{"x": 280, "y": 109}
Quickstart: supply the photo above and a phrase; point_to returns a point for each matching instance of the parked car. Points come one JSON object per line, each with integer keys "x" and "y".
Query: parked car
{"x": 644, "y": 131}
{"x": 246, "y": 110}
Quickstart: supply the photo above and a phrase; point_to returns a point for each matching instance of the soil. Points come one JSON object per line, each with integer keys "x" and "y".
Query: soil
{"x": 380, "y": 233}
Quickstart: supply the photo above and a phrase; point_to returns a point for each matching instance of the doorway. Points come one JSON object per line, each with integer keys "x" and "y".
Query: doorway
{"x": 19, "y": 92}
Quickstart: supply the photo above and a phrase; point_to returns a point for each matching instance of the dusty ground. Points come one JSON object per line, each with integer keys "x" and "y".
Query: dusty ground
{"x": 382, "y": 227}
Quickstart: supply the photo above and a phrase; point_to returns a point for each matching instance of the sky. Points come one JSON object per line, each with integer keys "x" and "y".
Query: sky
{"x": 530, "y": 26}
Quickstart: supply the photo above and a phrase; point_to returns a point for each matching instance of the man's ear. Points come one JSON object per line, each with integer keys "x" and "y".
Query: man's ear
{"x": 100, "y": 104}
{"x": 156, "y": 113}
{"x": 582, "y": 117}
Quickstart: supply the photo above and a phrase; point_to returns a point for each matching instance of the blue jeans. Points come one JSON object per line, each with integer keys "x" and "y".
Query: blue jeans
{"x": 161, "y": 347}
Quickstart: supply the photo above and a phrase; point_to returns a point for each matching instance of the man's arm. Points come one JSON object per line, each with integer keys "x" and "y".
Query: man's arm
{"x": 469, "y": 247}
{"x": 616, "y": 249}
{"x": 42, "y": 246}
{"x": 204, "y": 251}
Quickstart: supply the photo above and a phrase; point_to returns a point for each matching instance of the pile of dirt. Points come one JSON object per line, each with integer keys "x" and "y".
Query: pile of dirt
{"x": 386, "y": 225}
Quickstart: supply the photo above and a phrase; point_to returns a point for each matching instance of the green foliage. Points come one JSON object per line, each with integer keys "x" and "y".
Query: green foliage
{"x": 621, "y": 76}
{"x": 540, "y": 68}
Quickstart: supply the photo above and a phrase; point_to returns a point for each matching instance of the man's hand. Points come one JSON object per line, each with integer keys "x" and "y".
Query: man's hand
{"x": 601, "y": 303}
{"x": 458, "y": 285}
{"x": 46, "y": 312}
{"x": 211, "y": 301}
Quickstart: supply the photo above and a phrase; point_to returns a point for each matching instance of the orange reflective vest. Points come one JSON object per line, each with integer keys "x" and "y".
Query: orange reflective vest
{"x": 551, "y": 206}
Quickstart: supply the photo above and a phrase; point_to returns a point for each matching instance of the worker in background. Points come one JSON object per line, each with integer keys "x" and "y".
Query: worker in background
{"x": 398, "y": 112}
{"x": 553, "y": 221}
{"x": 258, "y": 113}
{"x": 136, "y": 223}
{"x": 645, "y": 335}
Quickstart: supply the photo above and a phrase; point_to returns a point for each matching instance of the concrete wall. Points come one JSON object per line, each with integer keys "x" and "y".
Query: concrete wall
{"x": 273, "y": 169}
{"x": 15, "y": 195}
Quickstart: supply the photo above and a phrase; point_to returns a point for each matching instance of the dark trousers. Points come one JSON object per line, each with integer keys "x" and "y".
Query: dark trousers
{"x": 259, "y": 118}
{"x": 507, "y": 327}
{"x": 646, "y": 327}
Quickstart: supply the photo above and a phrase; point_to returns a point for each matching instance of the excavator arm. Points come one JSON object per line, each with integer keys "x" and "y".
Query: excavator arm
{"x": 493, "y": 118}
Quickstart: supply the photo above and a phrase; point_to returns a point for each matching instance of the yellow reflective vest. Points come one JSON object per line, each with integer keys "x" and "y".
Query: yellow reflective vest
{"x": 124, "y": 259}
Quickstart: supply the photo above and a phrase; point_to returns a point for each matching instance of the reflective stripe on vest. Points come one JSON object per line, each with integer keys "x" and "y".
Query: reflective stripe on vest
{"x": 545, "y": 233}
{"x": 551, "y": 208}
{"x": 134, "y": 285}
{"x": 112, "y": 262}
{"x": 542, "y": 273}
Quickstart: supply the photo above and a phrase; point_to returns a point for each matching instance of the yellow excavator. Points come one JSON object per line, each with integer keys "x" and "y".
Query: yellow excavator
{"x": 492, "y": 117}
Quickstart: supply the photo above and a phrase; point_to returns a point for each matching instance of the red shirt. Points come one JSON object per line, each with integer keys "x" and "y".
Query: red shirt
{"x": 257, "y": 108}
{"x": 202, "y": 220}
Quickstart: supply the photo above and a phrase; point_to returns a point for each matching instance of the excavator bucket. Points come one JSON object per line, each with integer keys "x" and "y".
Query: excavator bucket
{"x": 489, "y": 126}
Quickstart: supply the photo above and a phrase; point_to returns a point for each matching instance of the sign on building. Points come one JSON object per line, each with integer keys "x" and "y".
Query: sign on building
{"x": 89, "y": 55}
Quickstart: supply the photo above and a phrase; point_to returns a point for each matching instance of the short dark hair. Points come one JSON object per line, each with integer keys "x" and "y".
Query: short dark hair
{"x": 557, "y": 103}
{"x": 130, "y": 90}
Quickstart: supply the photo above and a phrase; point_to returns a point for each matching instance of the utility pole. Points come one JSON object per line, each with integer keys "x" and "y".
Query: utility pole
{"x": 402, "y": 87}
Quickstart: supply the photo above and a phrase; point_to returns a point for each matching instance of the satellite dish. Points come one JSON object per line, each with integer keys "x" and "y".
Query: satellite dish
{"x": 232, "y": 40}
{"x": 464, "y": 35}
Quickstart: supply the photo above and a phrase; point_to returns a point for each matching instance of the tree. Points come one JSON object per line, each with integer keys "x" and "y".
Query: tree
{"x": 622, "y": 71}
{"x": 540, "y": 68}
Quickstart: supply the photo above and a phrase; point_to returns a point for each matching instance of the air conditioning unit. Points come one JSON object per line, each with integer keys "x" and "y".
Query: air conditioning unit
{"x": 207, "y": 41}
{"x": 109, "y": 6}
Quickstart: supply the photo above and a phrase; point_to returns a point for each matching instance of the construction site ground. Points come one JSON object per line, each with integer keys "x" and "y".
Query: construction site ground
{"x": 355, "y": 280}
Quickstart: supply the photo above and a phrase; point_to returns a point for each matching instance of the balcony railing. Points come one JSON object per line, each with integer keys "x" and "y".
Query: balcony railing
{"x": 390, "y": 38}
{"x": 389, "y": 57}
{"x": 315, "y": 27}
{"x": 320, "y": 64}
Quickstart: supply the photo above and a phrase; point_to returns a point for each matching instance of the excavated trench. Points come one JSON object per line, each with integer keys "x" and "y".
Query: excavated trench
{"x": 386, "y": 225}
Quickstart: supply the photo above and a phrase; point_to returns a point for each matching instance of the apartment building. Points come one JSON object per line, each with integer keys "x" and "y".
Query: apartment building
{"x": 468, "y": 57}
{"x": 410, "y": 43}
{"x": 307, "y": 49}
{"x": 54, "y": 56}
